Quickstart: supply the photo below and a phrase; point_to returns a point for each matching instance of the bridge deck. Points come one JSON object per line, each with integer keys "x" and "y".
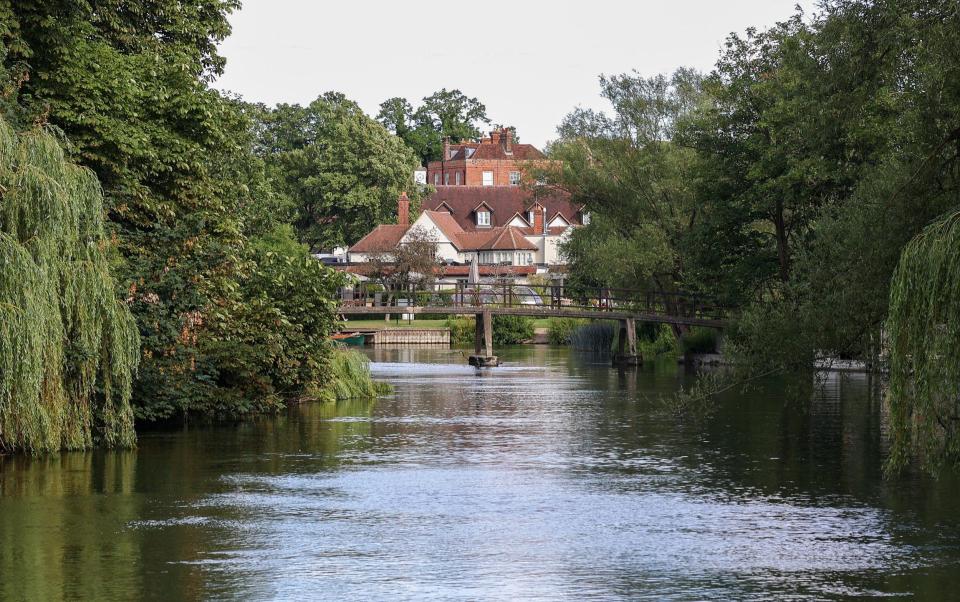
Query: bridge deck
{"x": 536, "y": 311}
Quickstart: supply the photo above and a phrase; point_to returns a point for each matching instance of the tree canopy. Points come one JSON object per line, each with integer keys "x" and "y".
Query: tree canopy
{"x": 341, "y": 170}
{"x": 444, "y": 114}
{"x": 68, "y": 346}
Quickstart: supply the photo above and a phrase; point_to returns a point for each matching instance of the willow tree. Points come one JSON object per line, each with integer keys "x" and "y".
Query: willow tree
{"x": 68, "y": 346}
{"x": 924, "y": 329}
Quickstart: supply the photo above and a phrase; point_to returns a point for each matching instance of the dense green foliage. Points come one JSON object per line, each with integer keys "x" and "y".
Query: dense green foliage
{"x": 507, "y": 330}
{"x": 924, "y": 327}
{"x": 700, "y": 340}
{"x": 800, "y": 169}
{"x": 341, "y": 170}
{"x": 560, "y": 330}
{"x": 68, "y": 345}
{"x": 442, "y": 115}
{"x": 637, "y": 183}
{"x": 232, "y": 312}
{"x": 461, "y": 329}
{"x": 512, "y": 330}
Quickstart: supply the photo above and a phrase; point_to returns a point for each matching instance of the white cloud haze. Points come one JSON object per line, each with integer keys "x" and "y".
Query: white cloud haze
{"x": 529, "y": 61}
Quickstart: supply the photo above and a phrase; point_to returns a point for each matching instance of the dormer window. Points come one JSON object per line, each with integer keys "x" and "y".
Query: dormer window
{"x": 483, "y": 218}
{"x": 530, "y": 217}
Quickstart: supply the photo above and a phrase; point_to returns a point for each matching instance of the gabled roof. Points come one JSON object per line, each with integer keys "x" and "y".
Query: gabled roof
{"x": 505, "y": 202}
{"x": 383, "y": 238}
{"x": 449, "y": 226}
{"x": 509, "y": 237}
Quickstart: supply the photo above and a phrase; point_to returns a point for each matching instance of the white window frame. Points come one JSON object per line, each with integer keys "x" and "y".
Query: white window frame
{"x": 446, "y": 179}
{"x": 514, "y": 178}
{"x": 488, "y": 178}
{"x": 436, "y": 179}
{"x": 483, "y": 218}
{"x": 458, "y": 178}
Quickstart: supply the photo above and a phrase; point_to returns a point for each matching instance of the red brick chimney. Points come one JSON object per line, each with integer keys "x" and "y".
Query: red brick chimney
{"x": 495, "y": 136}
{"x": 508, "y": 141}
{"x": 538, "y": 220}
{"x": 403, "y": 209}
{"x": 446, "y": 148}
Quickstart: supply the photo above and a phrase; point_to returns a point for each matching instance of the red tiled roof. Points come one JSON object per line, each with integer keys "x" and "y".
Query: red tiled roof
{"x": 510, "y": 237}
{"x": 504, "y": 201}
{"x": 384, "y": 237}
{"x": 503, "y": 238}
{"x": 449, "y": 226}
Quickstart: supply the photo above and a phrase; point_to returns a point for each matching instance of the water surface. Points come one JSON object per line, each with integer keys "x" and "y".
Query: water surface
{"x": 552, "y": 477}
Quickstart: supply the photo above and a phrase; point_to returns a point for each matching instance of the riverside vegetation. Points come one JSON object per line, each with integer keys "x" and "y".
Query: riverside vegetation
{"x": 150, "y": 236}
{"x": 809, "y": 180}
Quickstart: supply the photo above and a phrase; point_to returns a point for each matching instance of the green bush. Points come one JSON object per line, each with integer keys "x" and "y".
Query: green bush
{"x": 507, "y": 330}
{"x": 512, "y": 330}
{"x": 561, "y": 329}
{"x": 657, "y": 340}
{"x": 461, "y": 330}
{"x": 700, "y": 340}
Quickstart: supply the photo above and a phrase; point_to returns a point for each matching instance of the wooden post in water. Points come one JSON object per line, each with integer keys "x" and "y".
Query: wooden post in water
{"x": 626, "y": 354}
{"x": 483, "y": 342}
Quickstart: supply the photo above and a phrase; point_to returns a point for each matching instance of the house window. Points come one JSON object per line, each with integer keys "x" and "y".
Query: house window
{"x": 483, "y": 218}
{"x": 514, "y": 178}
{"x": 446, "y": 179}
{"x": 529, "y": 258}
{"x": 530, "y": 216}
{"x": 488, "y": 178}
{"x": 436, "y": 179}
{"x": 458, "y": 178}
{"x": 585, "y": 219}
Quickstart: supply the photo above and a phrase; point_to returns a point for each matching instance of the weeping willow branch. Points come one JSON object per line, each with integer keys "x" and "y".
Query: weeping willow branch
{"x": 924, "y": 330}
{"x": 68, "y": 347}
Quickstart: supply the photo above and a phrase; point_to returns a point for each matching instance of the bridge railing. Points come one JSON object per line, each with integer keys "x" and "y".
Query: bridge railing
{"x": 548, "y": 297}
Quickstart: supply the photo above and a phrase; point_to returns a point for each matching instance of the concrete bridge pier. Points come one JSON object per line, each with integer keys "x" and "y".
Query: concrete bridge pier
{"x": 626, "y": 354}
{"x": 483, "y": 342}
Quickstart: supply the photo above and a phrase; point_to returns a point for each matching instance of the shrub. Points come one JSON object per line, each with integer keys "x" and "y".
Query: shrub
{"x": 512, "y": 330}
{"x": 654, "y": 340}
{"x": 700, "y": 340}
{"x": 507, "y": 330}
{"x": 561, "y": 329}
{"x": 461, "y": 330}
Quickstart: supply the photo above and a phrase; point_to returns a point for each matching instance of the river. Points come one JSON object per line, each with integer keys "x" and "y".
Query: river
{"x": 552, "y": 477}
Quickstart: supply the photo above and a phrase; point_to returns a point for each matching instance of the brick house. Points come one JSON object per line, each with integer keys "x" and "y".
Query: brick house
{"x": 485, "y": 213}
{"x": 493, "y": 161}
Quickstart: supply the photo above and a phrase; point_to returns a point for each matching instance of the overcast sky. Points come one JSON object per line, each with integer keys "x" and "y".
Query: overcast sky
{"x": 529, "y": 61}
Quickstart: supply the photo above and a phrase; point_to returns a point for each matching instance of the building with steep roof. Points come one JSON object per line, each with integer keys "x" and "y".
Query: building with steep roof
{"x": 491, "y": 217}
{"x": 493, "y": 161}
